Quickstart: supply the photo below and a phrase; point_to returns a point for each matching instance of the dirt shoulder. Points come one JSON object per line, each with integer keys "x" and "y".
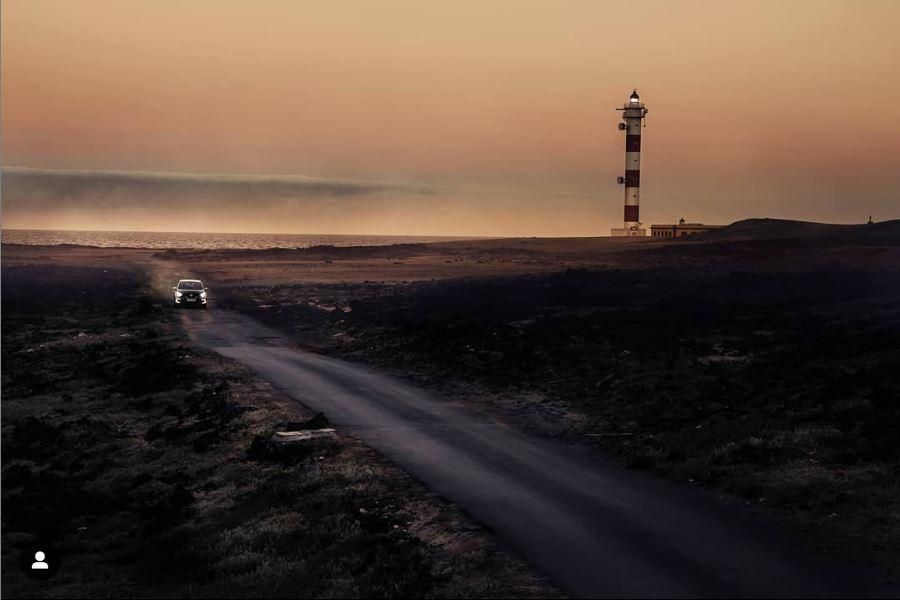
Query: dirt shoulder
{"x": 128, "y": 448}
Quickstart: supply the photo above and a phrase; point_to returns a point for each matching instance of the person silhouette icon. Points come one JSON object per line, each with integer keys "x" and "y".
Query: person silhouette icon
{"x": 40, "y": 560}
{"x": 39, "y": 563}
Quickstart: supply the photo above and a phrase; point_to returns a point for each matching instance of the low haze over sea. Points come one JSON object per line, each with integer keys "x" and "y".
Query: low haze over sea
{"x": 210, "y": 241}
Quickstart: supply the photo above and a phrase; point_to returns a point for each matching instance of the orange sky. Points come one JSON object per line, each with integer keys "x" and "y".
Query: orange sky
{"x": 783, "y": 109}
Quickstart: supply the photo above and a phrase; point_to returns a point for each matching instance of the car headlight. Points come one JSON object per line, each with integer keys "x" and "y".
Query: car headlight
{"x": 203, "y": 294}
{"x": 178, "y": 294}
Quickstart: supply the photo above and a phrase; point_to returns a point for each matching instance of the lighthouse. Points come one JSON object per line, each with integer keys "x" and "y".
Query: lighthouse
{"x": 633, "y": 114}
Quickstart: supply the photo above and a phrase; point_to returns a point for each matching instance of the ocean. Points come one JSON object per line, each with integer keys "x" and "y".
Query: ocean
{"x": 207, "y": 241}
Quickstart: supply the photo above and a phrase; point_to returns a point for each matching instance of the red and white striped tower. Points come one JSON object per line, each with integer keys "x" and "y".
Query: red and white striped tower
{"x": 633, "y": 114}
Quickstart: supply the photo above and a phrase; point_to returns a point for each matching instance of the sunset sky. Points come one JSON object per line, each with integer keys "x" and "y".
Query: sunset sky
{"x": 457, "y": 118}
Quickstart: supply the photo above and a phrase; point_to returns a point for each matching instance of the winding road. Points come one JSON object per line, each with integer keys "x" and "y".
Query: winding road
{"x": 594, "y": 528}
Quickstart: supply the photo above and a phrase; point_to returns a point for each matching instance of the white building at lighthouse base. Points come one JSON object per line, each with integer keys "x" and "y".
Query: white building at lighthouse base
{"x": 630, "y": 232}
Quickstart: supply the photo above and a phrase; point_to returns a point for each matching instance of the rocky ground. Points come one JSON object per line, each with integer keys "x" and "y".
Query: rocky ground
{"x": 762, "y": 368}
{"x": 142, "y": 459}
{"x": 761, "y": 362}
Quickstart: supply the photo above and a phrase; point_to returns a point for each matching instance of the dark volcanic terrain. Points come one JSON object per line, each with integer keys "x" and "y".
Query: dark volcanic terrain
{"x": 140, "y": 457}
{"x": 762, "y": 361}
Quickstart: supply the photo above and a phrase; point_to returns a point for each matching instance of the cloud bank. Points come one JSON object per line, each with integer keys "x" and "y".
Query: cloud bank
{"x": 42, "y": 198}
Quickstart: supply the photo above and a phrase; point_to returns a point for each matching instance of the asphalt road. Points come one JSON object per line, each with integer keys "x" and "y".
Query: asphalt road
{"x": 594, "y": 528}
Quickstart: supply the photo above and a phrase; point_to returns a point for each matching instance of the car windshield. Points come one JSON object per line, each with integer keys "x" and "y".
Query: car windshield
{"x": 190, "y": 285}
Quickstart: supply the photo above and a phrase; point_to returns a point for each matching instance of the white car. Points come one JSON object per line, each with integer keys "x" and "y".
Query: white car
{"x": 190, "y": 293}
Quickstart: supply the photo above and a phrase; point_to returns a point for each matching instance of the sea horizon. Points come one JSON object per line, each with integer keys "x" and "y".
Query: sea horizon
{"x": 208, "y": 240}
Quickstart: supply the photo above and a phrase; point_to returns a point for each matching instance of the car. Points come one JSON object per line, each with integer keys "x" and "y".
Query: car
{"x": 189, "y": 293}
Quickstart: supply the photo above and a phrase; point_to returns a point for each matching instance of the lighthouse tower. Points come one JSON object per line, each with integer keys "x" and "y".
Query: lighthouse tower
{"x": 633, "y": 114}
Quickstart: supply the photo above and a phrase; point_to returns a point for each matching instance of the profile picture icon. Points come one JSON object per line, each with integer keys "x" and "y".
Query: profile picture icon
{"x": 39, "y": 561}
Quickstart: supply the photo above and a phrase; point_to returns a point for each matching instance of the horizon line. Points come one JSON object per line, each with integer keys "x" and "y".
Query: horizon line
{"x": 266, "y": 233}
